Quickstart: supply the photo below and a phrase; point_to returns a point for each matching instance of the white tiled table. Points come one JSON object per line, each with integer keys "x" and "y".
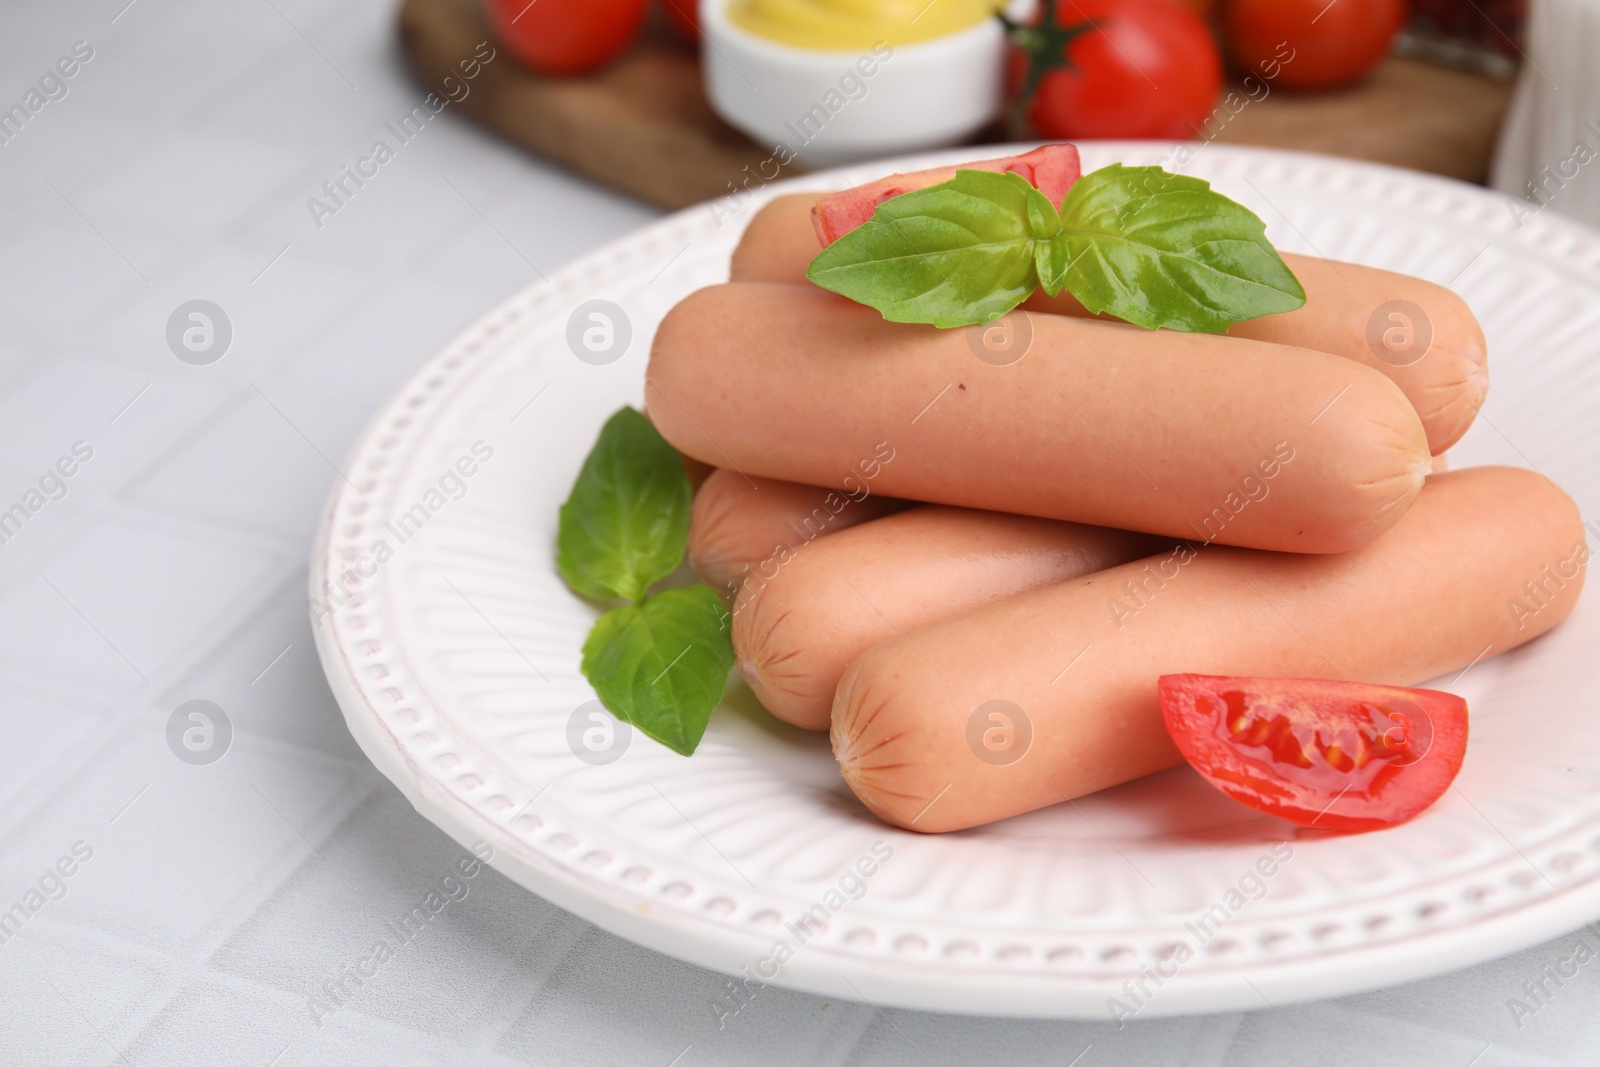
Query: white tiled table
{"x": 218, "y": 900}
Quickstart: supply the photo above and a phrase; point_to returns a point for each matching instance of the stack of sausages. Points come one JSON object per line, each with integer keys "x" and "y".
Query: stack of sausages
{"x": 910, "y": 525}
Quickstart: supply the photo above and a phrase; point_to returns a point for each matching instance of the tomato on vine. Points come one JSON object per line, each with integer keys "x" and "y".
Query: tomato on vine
{"x": 566, "y": 36}
{"x": 684, "y": 16}
{"x": 1115, "y": 68}
{"x": 1331, "y": 44}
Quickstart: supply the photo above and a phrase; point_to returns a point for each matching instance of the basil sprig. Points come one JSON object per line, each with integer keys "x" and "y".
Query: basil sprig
{"x": 660, "y": 662}
{"x": 1153, "y": 248}
{"x": 950, "y": 255}
{"x": 626, "y": 523}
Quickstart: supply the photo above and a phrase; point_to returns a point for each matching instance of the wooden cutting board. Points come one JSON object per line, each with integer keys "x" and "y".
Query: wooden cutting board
{"x": 642, "y": 125}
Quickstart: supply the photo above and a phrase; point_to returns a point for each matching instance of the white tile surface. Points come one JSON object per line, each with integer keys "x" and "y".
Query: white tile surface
{"x": 220, "y": 898}
{"x": 262, "y": 464}
{"x": 152, "y": 588}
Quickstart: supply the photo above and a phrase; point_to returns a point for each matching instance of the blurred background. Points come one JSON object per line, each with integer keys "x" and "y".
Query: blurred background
{"x": 690, "y": 105}
{"x": 335, "y": 189}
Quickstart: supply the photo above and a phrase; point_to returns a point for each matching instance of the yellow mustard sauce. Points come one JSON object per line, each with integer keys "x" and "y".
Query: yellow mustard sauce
{"x": 858, "y": 24}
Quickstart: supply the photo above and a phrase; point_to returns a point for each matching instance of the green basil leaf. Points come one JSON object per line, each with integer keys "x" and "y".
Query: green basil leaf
{"x": 1164, "y": 250}
{"x": 1051, "y": 260}
{"x": 627, "y": 521}
{"x": 953, "y": 254}
{"x": 1044, "y": 221}
{"x": 662, "y": 665}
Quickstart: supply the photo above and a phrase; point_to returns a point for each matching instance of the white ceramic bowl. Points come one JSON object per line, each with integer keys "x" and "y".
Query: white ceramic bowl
{"x": 825, "y": 108}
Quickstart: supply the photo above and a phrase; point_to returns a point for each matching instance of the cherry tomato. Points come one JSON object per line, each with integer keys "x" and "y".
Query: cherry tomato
{"x": 684, "y": 16}
{"x": 1311, "y": 44}
{"x": 1118, "y": 68}
{"x": 1332, "y": 755}
{"x": 566, "y": 36}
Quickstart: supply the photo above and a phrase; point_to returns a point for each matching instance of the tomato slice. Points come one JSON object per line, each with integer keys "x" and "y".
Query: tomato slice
{"x": 1051, "y": 169}
{"x": 1333, "y": 755}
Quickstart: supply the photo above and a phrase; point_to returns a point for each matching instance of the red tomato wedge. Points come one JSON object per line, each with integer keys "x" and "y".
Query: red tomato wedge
{"x": 1332, "y": 755}
{"x": 1051, "y": 169}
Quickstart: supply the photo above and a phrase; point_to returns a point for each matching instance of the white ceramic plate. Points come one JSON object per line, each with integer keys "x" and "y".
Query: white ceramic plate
{"x": 456, "y": 664}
